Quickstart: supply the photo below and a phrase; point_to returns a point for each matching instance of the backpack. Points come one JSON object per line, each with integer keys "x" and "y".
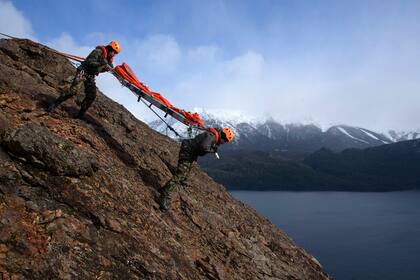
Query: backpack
{"x": 105, "y": 54}
{"x": 215, "y": 133}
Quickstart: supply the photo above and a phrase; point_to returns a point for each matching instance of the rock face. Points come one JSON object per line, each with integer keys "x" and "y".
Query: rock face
{"x": 37, "y": 145}
{"x": 77, "y": 198}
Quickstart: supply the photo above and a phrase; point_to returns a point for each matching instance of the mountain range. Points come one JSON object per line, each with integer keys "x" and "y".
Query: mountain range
{"x": 268, "y": 155}
{"x": 290, "y": 140}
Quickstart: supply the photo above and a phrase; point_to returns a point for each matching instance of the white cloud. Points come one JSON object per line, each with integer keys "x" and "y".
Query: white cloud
{"x": 13, "y": 22}
{"x": 248, "y": 65}
{"x": 65, "y": 43}
{"x": 232, "y": 83}
{"x": 159, "y": 53}
{"x": 203, "y": 55}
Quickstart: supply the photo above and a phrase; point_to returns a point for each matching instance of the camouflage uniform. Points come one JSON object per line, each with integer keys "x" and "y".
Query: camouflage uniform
{"x": 85, "y": 75}
{"x": 190, "y": 150}
{"x": 180, "y": 176}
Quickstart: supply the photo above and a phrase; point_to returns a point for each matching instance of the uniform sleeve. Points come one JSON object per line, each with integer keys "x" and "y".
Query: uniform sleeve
{"x": 94, "y": 59}
{"x": 208, "y": 143}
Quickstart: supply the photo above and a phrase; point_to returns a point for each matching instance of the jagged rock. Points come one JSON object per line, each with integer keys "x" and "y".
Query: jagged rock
{"x": 58, "y": 223}
{"x": 37, "y": 145}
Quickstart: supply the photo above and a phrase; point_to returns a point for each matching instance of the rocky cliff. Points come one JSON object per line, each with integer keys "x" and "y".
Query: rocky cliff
{"x": 77, "y": 197}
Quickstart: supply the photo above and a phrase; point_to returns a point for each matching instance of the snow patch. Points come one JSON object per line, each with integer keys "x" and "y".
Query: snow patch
{"x": 269, "y": 132}
{"x": 373, "y": 136}
{"x": 351, "y": 136}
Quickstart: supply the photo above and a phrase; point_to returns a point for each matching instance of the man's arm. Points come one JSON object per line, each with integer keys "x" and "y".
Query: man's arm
{"x": 95, "y": 60}
{"x": 208, "y": 143}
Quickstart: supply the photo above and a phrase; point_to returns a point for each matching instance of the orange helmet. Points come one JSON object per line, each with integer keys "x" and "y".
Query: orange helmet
{"x": 115, "y": 46}
{"x": 228, "y": 133}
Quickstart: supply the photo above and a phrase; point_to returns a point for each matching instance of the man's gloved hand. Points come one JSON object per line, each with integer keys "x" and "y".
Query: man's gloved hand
{"x": 105, "y": 68}
{"x": 109, "y": 67}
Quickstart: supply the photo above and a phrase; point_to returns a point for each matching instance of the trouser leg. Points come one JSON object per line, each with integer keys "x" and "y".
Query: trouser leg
{"x": 75, "y": 87}
{"x": 90, "y": 95}
{"x": 179, "y": 178}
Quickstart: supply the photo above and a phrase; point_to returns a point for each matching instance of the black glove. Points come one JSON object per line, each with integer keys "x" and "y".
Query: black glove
{"x": 105, "y": 68}
{"x": 109, "y": 67}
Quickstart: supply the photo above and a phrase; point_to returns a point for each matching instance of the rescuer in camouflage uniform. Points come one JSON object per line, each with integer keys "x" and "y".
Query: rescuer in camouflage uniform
{"x": 98, "y": 61}
{"x": 191, "y": 149}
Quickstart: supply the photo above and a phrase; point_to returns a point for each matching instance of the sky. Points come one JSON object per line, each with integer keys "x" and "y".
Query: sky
{"x": 324, "y": 62}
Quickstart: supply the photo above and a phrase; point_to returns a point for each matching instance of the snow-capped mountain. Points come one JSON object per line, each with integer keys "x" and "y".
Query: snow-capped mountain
{"x": 290, "y": 140}
{"x": 397, "y": 136}
{"x": 240, "y": 123}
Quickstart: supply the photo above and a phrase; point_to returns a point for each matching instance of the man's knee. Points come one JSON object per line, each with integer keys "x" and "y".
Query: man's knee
{"x": 74, "y": 89}
{"x": 184, "y": 168}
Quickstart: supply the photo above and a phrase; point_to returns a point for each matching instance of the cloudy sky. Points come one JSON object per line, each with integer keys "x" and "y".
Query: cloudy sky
{"x": 328, "y": 62}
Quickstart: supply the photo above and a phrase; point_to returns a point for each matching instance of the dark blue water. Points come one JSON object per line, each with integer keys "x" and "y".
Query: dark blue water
{"x": 354, "y": 235}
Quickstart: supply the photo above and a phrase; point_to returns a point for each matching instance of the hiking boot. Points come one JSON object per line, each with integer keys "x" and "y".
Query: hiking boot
{"x": 164, "y": 201}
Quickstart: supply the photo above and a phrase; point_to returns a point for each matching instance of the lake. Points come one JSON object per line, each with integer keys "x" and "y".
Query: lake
{"x": 354, "y": 235}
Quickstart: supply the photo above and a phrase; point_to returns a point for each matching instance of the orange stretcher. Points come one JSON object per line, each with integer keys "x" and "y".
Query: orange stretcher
{"x": 127, "y": 77}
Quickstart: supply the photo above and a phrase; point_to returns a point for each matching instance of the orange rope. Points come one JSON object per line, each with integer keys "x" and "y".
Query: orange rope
{"x": 69, "y": 56}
